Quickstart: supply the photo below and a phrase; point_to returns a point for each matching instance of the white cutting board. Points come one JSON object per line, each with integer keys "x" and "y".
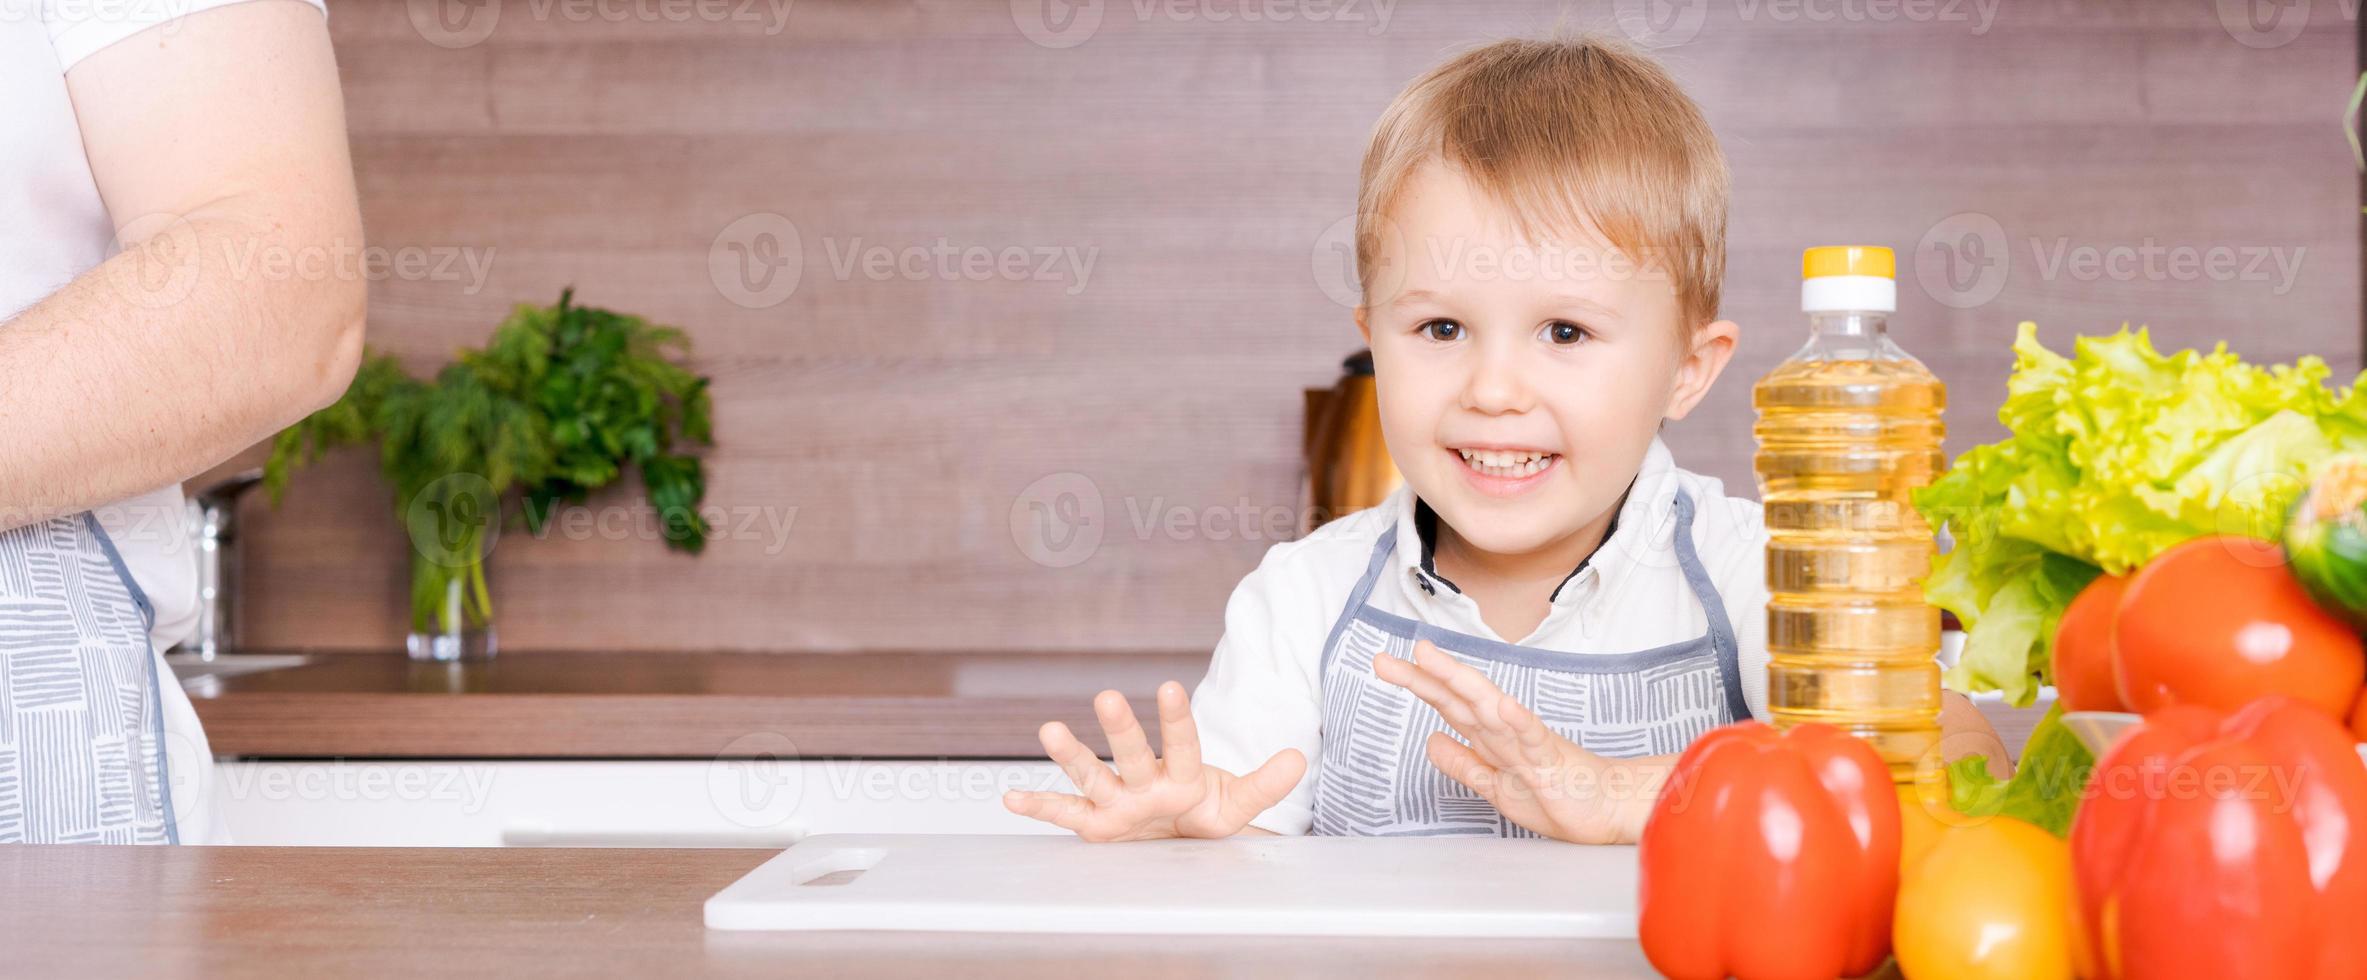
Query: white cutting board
{"x": 1312, "y": 886}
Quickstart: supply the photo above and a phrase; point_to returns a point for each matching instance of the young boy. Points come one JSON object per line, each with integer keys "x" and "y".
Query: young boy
{"x": 1541, "y": 242}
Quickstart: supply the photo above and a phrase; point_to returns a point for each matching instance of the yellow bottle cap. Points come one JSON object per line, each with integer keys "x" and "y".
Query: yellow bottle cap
{"x": 1848, "y": 260}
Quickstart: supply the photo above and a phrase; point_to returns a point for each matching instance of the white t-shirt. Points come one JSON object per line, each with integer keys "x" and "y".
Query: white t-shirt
{"x": 54, "y": 227}
{"x": 1264, "y": 690}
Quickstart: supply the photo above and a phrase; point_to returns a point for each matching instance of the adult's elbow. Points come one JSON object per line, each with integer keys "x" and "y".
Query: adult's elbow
{"x": 341, "y": 308}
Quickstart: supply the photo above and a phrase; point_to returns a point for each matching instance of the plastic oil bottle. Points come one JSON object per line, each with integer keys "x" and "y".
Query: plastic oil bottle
{"x": 1847, "y": 427}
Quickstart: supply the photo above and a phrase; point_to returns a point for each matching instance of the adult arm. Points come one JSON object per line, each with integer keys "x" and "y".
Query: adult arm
{"x": 236, "y": 306}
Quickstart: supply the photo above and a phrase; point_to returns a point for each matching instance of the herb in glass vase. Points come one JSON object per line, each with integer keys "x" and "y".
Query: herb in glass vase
{"x": 560, "y": 402}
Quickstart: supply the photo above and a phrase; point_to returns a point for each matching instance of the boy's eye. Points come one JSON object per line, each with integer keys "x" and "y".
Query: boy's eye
{"x": 1564, "y": 332}
{"x": 1441, "y": 330}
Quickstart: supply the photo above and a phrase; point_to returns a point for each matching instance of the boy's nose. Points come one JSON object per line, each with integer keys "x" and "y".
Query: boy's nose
{"x": 1495, "y": 386}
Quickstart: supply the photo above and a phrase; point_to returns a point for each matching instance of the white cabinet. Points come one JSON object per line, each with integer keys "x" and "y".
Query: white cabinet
{"x": 726, "y": 803}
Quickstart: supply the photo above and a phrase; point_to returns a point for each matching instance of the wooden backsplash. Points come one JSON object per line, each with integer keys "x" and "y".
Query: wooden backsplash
{"x": 895, "y": 437}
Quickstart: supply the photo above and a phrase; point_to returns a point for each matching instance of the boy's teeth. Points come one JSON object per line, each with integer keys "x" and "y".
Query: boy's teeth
{"x": 1492, "y": 462}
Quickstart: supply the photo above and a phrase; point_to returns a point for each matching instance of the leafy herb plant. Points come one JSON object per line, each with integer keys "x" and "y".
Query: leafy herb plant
{"x": 560, "y": 402}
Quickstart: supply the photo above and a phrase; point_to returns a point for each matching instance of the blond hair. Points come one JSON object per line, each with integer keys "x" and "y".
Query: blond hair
{"x": 1582, "y": 134}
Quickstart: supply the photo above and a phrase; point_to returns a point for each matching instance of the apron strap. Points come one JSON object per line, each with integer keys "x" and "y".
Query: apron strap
{"x": 1721, "y": 630}
{"x": 139, "y": 597}
{"x": 1382, "y": 549}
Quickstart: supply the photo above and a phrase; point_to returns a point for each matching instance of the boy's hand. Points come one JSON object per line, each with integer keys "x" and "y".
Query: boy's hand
{"x": 1148, "y": 798}
{"x": 1533, "y": 776}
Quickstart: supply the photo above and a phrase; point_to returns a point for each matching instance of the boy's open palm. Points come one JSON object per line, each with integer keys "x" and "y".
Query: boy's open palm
{"x": 1532, "y": 775}
{"x": 1149, "y": 797}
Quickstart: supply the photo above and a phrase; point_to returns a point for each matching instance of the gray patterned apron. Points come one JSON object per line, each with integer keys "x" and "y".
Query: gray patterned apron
{"x": 82, "y": 750}
{"x": 1375, "y": 776}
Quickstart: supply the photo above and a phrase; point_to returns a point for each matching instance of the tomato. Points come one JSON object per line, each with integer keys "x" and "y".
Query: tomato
{"x": 2359, "y": 717}
{"x": 2220, "y": 621}
{"x": 2083, "y": 648}
{"x": 1987, "y": 900}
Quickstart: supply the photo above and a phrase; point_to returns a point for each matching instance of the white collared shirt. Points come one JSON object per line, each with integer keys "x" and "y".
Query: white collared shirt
{"x": 1263, "y": 692}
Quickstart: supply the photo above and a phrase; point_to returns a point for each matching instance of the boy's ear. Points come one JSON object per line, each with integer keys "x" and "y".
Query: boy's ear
{"x": 1364, "y": 328}
{"x": 1713, "y": 347}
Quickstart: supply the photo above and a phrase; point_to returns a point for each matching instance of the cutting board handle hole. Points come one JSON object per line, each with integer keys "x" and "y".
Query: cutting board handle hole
{"x": 837, "y": 866}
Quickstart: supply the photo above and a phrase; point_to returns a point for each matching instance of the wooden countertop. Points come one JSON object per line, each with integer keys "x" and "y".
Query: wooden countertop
{"x": 275, "y": 912}
{"x": 674, "y": 705}
{"x": 699, "y": 705}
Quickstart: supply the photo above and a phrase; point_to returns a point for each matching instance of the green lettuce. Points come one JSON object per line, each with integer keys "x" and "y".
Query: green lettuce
{"x": 2047, "y": 784}
{"x": 2116, "y": 454}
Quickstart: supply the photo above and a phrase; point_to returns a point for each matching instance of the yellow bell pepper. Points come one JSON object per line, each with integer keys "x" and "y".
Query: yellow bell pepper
{"x": 1981, "y": 899}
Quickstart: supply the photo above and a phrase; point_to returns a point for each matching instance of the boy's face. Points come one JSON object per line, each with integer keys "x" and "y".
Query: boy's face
{"x": 1521, "y": 383}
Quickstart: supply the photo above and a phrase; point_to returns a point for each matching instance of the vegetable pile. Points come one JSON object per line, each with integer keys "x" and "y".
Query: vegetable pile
{"x": 2183, "y": 537}
{"x": 2117, "y": 454}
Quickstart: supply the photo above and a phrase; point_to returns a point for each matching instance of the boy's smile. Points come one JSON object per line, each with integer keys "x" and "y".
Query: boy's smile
{"x": 1522, "y": 372}
{"x": 1505, "y": 472}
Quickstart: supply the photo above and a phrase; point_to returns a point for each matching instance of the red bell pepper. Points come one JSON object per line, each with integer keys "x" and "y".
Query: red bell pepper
{"x": 1771, "y": 855}
{"x": 2215, "y": 845}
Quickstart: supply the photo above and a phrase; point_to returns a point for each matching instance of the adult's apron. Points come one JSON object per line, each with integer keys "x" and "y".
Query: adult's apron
{"x": 82, "y": 755}
{"x": 1375, "y": 778}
